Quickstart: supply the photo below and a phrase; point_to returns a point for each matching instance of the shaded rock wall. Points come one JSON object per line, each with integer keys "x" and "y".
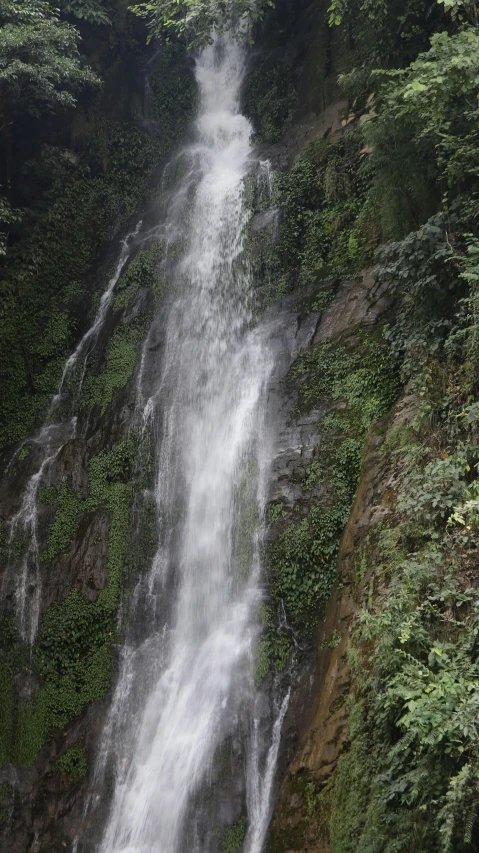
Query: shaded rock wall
{"x": 316, "y": 724}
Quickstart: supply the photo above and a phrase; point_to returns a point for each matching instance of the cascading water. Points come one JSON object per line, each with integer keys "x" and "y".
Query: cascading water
{"x": 50, "y": 440}
{"x": 186, "y": 674}
{"x": 28, "y": 591}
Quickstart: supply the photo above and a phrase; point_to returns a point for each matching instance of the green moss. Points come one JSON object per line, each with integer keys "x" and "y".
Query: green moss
{"x": 74, "y": 762}
{"x": 147, "y": 536}
{"x": 58, "y": 252}
{"x": 313, "y": 476}
{"x": 83, "y": 200}
{"x": 366, "y": 379}
{"x": 68, "y": 507}
{"x": 276, "y": 511}
{"x": 47, "y": 495}
{"x": 73, "y": 652}
{"x": 120, "y": 364}
{"x": 275, "y": 647}
{"x": 233, "y": 837}
{"x": 119, "y": 502}
{"x": 7, "y": 708}
{"x": 5, "y": 793}
{"x": 410, "y": 771}
{"x": 352, "y": 789}
{"x": 262, "y": 660}
{"x": 107, "y": 468}
{"x": 62, "y": 698}
{"x": 144, "y": 271}
{"x": 122, "y": 352}
{"x": 322, "y": 229}
{"x": 10, "y": 663}
{"x": 302, "y": 563}
{"x": 302, "y": 557}
{"x": 319, "y": 373}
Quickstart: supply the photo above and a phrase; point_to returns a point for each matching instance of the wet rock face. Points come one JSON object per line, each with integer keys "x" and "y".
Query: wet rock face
{"x": 86, "y": 557}
{"x": 359, "y": 302}
{"x": 44, "y": 807}
{"x": 295, "y": 824}
{"x": 142, "y": 302}
{"x": 260, "y": 221}
{"x": 295, "y": 439}
{"x": 315, "y": 727}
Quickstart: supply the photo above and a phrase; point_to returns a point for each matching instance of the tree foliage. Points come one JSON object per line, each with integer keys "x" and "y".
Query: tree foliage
{"x": 92, "y": 11}
{"x": 196, "y": 21}
{"x": 40, "y": 70}
{"x": 436, "y": 99}
{"x": 40, "y": 66}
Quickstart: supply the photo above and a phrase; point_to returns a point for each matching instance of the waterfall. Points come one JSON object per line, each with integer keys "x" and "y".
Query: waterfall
{"x": 186, "y": 671}
{"x": 50, "y": 440}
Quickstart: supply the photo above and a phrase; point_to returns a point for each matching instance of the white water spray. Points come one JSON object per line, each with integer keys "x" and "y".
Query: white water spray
{"x": 182, "y": 689}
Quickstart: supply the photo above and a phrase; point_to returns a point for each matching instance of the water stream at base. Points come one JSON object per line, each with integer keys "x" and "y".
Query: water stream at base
{"x": 186, "y": 672}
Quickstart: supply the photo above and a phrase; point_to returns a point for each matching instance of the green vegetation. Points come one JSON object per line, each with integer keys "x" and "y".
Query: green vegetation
{"x": 80, "y": 198}
{"x": 413, "y": 726}
{"x": 270, "y": 98}
{"x": 68, "y": 505}
{"x": 73, "y": 762}
{"x": 302, "y": 559}
{"x": 233, "y": 837}
{"x": 397, "y": 189}
{"x": 322, "y": 198}
{"x": 408, "y": 778}
{"x": 120, "y": 363}
{"x": 5, "y": 794}
{"x": 92, "y": 11}
{"x": 194, "y": 20}
{"x": 122, "y": 351}
{"x": 324, "y": 228}
{"x": 72, "y": 655}
{"x": 409, "y": 148}
{"x": 275, "y": 647}
{"x": 40, "y": 64}
{"x": 143, "y": 271}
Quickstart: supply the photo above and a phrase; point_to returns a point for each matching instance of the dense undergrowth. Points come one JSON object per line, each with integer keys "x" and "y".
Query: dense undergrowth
{"x": 397, "y": 191}
{"x": 72, "y": 655}
{"x": 409, "y": 779}
{"x": 76, "y": 192}
{"x": 354, "y": 388}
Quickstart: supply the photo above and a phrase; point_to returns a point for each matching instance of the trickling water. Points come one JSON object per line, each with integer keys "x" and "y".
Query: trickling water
{"x": 261, "y": 783}
{"x": 187, "y": 679}
{"x": 51, "y": 438}
{"x": 28, "y": 579}
{"x": 90, "y": 337}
